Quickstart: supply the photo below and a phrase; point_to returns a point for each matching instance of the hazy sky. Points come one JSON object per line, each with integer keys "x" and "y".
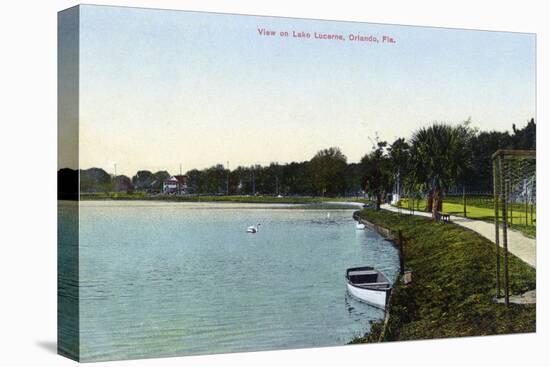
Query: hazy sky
{"x": 159, "y": 88}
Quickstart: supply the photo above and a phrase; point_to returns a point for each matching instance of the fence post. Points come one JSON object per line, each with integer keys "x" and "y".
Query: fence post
{"x": 464, "y": 199}
{"x": 497, "y": 229}
{"x": 511, "y": 203}
{"x": 504, "y": 189}
{"x": 401, "y": 254}
{"x": 526, "y": 211}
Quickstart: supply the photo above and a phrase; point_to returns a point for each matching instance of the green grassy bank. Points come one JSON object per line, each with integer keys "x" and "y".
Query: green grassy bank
{"x": 453, "y": 284}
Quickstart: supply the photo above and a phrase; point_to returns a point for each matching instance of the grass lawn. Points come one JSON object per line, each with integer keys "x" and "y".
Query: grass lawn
{"x": 453, "y": 284}
{"x": 482, "y": 211}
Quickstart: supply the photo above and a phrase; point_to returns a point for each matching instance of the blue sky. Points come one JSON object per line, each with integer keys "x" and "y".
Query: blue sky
{"x": 159, "y": 87}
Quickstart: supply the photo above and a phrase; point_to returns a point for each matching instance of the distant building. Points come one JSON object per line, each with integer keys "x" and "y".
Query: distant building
{"x": 175, "y": 185}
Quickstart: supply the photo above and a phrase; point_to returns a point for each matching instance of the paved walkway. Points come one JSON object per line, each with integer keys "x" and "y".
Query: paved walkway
{"x": 518, "y": 244}
{"x": 529, "y": 297}
{"x": 350, "y": 203}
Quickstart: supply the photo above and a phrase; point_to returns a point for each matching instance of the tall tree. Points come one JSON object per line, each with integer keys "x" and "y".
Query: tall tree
{"x": 377, "y": 172}
{"x": 440, "y": 159}
{"x": 328, "y": 167}
{"x": 143, "y": 179}
{"x": 399, "y": 155}
{"x": 525, "y": 138}
{"x": 195, "y": 181}
{"x": 95, "y": 180}
{"x": 123, "y": 183}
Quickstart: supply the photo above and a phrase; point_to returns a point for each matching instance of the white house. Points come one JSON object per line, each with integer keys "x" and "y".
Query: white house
{"x": 175, "y": 185}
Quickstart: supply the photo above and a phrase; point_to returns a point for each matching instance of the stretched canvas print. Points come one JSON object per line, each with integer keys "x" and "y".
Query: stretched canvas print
{"x": 233, "y": 183}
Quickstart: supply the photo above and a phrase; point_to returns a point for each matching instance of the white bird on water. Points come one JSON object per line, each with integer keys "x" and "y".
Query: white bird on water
{"x": 253, "y": 229}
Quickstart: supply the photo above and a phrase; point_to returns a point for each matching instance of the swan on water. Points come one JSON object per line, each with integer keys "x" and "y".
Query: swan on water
{"x": 253, "y": 229}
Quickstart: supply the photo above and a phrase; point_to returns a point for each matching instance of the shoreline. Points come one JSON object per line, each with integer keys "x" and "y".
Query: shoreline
{"x": 387, "y": 234}
{"x": 309, "y": 202}
{"x": 214, "y": 205}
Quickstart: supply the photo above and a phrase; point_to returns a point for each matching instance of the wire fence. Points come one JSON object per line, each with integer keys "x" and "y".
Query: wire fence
{"x": 514, "y": 191}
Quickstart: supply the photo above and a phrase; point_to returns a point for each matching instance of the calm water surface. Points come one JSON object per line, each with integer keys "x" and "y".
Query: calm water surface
{"x": 163, "y": 279}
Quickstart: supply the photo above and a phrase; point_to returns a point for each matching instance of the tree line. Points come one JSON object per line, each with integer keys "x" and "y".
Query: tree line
{"x": 440, "y": 158}
{"x": 435, "y": 159}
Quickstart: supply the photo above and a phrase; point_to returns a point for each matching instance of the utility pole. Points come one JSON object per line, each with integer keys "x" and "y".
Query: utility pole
{"x": 113, "y": 183}
{"x": 180, "y": 170}
{"x": 253, "y": 183}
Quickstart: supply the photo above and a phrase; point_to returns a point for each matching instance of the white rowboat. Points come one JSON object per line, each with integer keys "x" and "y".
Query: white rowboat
{"x": 368, "y": 285}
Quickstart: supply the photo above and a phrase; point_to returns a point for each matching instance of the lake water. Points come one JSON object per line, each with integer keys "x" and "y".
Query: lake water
{"x": 164, "y": 279}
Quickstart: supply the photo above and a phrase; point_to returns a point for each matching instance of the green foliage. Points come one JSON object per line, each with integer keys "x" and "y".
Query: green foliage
{"x": 485, "y": 143}
{"x": 327, "y": 173}
{"x": 453, "y": 284}
{"x": 525, "y": 138}
{"x": 328, "y": 167}
{"x": 400, "y": 159}
{"x": 122, "y": 183}
{"x": 160, "y": 176}
{"x": 441, "y": 158}
{"x": 399, "y": 153}
{"x": 95, "y": 180}
{"x": 142, "y": 180}
{"x": 378, "y": 172}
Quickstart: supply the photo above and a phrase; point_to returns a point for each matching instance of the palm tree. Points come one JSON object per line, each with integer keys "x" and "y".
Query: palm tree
{"x": 440, "y": 158}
